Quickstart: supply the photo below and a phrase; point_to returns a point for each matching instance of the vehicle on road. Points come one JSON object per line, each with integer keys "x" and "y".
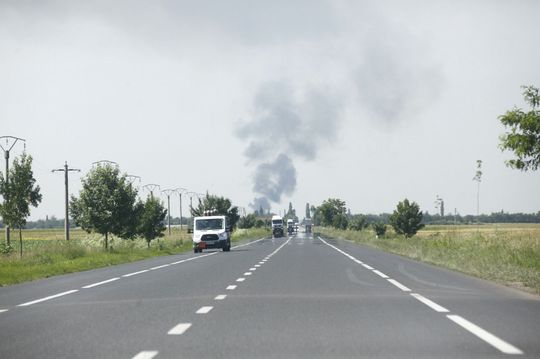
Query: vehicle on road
{"x": 277, "y": 226}
{"x": 211, "y": 232}
{"x": 290, "y": 226}
{"x": 308, "y": 225}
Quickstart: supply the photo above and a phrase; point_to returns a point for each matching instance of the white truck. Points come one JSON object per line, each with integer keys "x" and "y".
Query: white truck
{"x": 211, "y": 232}
{"x": 277, "y": 226}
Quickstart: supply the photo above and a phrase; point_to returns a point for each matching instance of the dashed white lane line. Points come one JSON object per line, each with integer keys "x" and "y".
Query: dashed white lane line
{"x": 399, "y": 285}
{"x": 204, "y": 310}
{"x": 252, "y": 269}
{"x": 231, "y": 287}
{"x": 146, "y": 354}
{"x": 220, "y": 297}
{"x": 159, "y": 267}
{"x": 486, "y": 336}
{"x": 100, "y": 283}
{"x": 241, "y": 279}
{"x": 247, "y": 273}
{"x": 380, "y": 274}
{"x": 430, "y": 303}
{"x": 135, "y": 273}
{"x": 257, "y": 265}
{"x": 48, "y": 298}
{"x": 3, "y": 310}
{"x": 179, "y": 329}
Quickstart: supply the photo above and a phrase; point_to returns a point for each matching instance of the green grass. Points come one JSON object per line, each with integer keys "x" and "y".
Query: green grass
{"x": 508, "y": 254}
{"x": 46, "y": 253}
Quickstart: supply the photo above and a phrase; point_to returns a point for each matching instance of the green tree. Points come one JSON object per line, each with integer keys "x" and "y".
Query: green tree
{"x": 106, "y": 204}
{"x": 308, "y": 214}
{"x": 22, "y": 192}
{"x": 220, "y": 206}
{"x": 332, "y": 212}
{"x": 358, "y": 222}
{"x": 407, "y": 218}
{"x": 151, "y": 219}
{"x": 248, "y": 221}
{"x": 524, "y": 136}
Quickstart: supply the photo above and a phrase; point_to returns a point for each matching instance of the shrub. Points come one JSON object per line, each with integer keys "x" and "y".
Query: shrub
{"x": 407, "y": 218}
{"x": 379, "y": 228}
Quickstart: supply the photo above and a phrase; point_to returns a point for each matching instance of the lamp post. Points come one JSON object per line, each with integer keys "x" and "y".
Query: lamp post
{"x": 6, "y": 155}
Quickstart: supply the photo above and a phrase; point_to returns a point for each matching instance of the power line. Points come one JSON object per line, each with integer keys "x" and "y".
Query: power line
{"x": 66, "y": 170}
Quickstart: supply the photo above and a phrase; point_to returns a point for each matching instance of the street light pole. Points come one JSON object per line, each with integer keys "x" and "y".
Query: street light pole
{"x": 6, "y": 155}
{"x": 66, "y": 170}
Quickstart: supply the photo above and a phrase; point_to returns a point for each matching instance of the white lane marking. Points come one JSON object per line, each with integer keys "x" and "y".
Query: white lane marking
{"x": 178, "y": 262}
{"x": 159, "y": 267}
{"x": 252, "y": 269}
{"x": 380, "y": 274}
{"x": 247, "y": 244}
{"x": 146, "y": 354}
{"x": 257, "y": 265}
{"x": 48, "y": 298}
{"x": 100, "y": 283}
{"x": 430, "y": 303}
{"x": 399, "y": 285}
{"x": 135, "y": 273}
{"x": 179, "y": 329}
{"x": 231, "y": 287}
{"x": 241, "y": 279}
{"x": 247, "y": 273}
{"x": 486, "y": 336}
{"x": 3, "y": 310}
{"x": 368, "y": 267}
{"x": 358, "y": 261}
{"x": 204, "y": 310}
{"x": 220, "y": 297}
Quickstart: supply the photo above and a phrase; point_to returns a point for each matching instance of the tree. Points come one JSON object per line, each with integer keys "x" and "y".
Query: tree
{"x": 151, "y": 220}
{"x": 524, "y": 136}
{"x": 379, "y": 228}
{"x": 407, "y": 218}
{"x": 220, "y": 206}
{"x": 248, "y": 221}
{"x": 358, "y": 223}
{"x": 22, "y": 192}
{"x": 308, "y": 214}
{"x": 106, "y": 204}
{"x": 332, "y": 213}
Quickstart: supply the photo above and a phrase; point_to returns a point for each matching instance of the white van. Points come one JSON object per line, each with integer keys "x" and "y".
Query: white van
{"x": 211, "y": 232}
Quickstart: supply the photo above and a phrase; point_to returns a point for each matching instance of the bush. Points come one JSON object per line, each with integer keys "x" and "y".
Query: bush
{"x": 407, "y": 218}
{"x": 379, "y": 228}
{"x": 358, "y": 223}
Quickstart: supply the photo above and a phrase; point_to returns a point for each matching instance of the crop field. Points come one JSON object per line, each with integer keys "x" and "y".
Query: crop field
{"x": 505, "y": 253}
{"x": 47, "y": 253}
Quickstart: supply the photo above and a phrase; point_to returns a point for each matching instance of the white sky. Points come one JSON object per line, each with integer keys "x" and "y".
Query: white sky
{"x": 408, "y": 95}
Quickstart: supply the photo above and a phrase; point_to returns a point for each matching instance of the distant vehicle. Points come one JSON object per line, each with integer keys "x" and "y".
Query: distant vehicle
{"x": 290, "y": 226}
{"x": 211, "y": 232}
{"x": 307, "y": 225}
{"x": 277, "y": 226}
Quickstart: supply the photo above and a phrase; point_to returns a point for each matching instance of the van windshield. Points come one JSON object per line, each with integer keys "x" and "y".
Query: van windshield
{"x": 277, "y": 221}
{"x": 208, "y": 224}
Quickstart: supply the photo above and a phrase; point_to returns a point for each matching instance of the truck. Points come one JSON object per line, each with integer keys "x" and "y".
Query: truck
{"x": 277, "y": 226}
{"x": 211, "y": 232}
{"x": 308, "y": 225}
{"x": 290, "y": 226}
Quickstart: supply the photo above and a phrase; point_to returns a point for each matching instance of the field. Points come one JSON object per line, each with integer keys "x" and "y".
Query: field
{"x": 47, "y": 253}
{"x": 505, "y": 253}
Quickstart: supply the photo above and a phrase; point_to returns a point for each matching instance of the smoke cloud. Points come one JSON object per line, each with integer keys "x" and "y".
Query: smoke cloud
{"x": 286, "y": 124}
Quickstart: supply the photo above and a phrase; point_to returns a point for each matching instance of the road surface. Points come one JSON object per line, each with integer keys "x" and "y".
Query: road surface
{"x": 297, "y": 297}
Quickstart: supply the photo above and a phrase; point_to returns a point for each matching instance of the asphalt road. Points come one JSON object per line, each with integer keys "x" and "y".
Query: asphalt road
{"x": 298, "y": 297}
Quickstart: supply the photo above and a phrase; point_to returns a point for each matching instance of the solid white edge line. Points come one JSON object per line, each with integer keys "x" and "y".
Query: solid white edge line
{"x": 436, "y": 307}
{"x": 100, "y": 283}
{"x": 231, "y": 287}
{"x": 146, "y": 354}
{"x": 399, "y": 285}
{"x": 486, "y": 336}
{"x": 3, "y": 310}
{"x": 159, "y": 267}
{"x": 220, "y": 297}
{"x": 135, "y": 273}
{"x": 241, "y": 279}
{"x": 380, "y": 274}
{"x": 47, "y": 298}
{"x": 367, "y": 267}
{"x": 204, "y": 310}
{"x": 179, "y": 329}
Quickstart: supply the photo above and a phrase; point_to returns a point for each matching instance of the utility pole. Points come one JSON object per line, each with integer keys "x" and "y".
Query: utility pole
{"x": 66, "y": 170}
{"x": 168, "y": 192}
{"x": 478, "y": 178}
{"x": 6, "y": 155}
{"x": 151, "y": 187}
{"x": 180, "y": 190}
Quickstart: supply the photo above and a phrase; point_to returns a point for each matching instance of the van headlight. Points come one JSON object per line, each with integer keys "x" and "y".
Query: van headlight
{"x": 223, "y": 235}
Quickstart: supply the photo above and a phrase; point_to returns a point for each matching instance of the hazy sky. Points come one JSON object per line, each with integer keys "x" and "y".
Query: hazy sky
{"x": 367, "y": 101}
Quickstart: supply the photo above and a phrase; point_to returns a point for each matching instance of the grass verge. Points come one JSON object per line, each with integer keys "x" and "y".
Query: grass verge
{"x": 45, "y": 255}
{"x": 505, "y": 254}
